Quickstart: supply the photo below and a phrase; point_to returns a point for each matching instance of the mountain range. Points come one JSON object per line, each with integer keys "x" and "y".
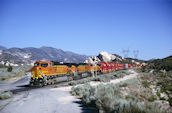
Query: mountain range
{"x": 30, "y": 54}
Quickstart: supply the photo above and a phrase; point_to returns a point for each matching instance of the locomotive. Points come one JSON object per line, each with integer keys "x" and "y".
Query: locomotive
{"x": 50, "y": 72}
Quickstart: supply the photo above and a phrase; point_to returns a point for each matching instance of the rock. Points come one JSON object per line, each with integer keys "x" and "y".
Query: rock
{"x": 106, "y": 57}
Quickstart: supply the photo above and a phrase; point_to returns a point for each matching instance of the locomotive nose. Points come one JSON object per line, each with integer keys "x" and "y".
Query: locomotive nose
{"x": 38, "y": 68}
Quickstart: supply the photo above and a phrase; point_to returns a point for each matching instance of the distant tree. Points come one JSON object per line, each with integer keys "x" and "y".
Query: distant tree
{"x": 10, "y": 68}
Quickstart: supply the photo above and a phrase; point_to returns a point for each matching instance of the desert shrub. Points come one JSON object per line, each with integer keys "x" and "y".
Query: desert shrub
{"x": 108, "y": 99}
{"x": 152, "y": 99}
{"x": 80, "y": 90}
{"x": 103, "y": 79}
{"x": 162, "y": 98}
{"x": 5, "y": 95}
{"x": 145, "y": 83}
{"x": 159, "y": 83}
{"x": 120, "y": 75}
{"x": 168, "y": 87}
{"x": 85, "y": 80}
{"x": 123, "y": 71}
{"x": 130, "y": 81}
{"x": 158, "y": 94}
{"x": 162, "y": 90}
{"x": 123, "y": 85}
{"x": 72, "y": 83}
{"x": 170, "y": 101}
{"x": 10, "y": 68}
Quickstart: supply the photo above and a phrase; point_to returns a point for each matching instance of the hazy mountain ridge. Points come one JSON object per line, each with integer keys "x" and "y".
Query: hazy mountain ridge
{"x": 2, "y": 48}
{"x": 30, "y": 54}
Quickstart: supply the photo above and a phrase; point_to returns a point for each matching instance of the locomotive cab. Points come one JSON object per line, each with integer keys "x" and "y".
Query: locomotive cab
{"x": 39, "y": 72}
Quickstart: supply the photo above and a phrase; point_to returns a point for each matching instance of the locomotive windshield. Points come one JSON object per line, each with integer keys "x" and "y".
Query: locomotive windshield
{"x": 36, "y": 64}
{"x": 44, "y": 64}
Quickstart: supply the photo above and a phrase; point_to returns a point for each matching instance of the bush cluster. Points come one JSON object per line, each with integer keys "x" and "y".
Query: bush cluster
{"x": 5, "y": 95}
{"x": 108, "y": 99}
{"x": 10, "y": 68}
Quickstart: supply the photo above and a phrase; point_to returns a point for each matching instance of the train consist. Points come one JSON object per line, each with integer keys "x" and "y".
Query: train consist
{"x": 49, "y": 72}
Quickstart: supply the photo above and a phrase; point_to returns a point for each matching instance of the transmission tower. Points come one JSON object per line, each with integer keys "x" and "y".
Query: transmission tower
{"x": 135, "y": 53}
{"x": 125, "y": 52}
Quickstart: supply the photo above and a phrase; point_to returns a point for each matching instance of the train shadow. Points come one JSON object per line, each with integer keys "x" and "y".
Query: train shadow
{"x": 22, "y": 88}
{"x": 87, "y": 108}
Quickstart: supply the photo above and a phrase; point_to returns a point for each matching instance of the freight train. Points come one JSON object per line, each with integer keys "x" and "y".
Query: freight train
{"x": 50, "y": 72}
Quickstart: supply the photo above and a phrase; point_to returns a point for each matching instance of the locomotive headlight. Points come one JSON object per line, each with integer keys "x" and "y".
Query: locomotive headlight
{"x": 32, "y": 74}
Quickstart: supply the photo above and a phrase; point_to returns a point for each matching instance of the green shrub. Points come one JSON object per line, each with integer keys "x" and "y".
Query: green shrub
{"x": 168, "y": 87}
{"x": 152, "y": 99}
{"x": 159, "y": 83}
{"x": 72, "y": 83}
{"x": 123, "y": 85}
{"x": 10, "y": 68}
{"x": 170, "y": 101}
{"x": 145, "y": 83}
{"x": 158, "y": 94}
{"x": 162, "y": 98}
{"x": 5, "y": 95}
{"x": 102, "y": 79}
{"x": 129, "y": 82}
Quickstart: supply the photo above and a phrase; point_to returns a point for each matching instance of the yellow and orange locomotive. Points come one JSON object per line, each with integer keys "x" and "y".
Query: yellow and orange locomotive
{"x": 49, "y": 72}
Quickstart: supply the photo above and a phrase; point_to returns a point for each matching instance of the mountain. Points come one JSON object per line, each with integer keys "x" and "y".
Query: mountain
{"x": 2, "y": 48}
{"x": 29, "y": 55}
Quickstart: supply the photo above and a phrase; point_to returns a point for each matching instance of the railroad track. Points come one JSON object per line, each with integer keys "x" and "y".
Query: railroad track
{"x": 27, "y": 88}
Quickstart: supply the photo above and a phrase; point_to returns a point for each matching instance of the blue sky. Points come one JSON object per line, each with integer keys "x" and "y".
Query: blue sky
{"x": 89, "y": 26}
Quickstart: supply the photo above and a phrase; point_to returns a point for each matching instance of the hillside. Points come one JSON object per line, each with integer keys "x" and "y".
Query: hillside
{"x": 29, "y": 55}
{"x": 160, "y": 64}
